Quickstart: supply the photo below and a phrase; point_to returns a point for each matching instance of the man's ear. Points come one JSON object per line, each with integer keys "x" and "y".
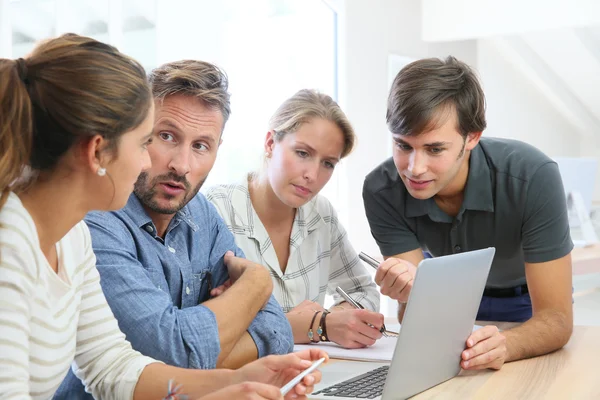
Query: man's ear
{"x": 94, "y": 153}
{"x": 472, "y": 140}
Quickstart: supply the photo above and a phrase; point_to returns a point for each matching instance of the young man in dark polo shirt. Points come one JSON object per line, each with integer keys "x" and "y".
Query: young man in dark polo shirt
{"x": 447, "y": 190}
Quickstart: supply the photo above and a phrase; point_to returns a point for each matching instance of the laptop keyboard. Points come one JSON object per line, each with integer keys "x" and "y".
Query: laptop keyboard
{"x": 366, "y": 386}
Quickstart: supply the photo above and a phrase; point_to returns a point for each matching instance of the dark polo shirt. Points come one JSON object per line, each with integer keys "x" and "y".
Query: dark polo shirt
{"x": 514, "y": 201}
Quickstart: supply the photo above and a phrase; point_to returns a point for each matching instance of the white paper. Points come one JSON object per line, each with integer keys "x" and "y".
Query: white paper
{"x": 382, "y": 350}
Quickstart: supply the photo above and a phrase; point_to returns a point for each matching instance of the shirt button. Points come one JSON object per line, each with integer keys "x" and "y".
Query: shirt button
{"x": 149, "y": 228}
{"x": 187, "y": 290}
{"x": 457, "y": 248}
{"x": 172, "y": 250}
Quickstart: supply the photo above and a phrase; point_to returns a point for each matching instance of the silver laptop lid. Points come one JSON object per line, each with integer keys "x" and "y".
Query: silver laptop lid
{"x": 439, "y": 318}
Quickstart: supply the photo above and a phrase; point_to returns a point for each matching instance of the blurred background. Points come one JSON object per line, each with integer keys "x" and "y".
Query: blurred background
{"x": 539, "y": 63}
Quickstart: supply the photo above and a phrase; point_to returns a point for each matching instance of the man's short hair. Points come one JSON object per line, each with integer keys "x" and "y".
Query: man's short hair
{"x": 193, "y": 78}
{"x": 426, "y": 91}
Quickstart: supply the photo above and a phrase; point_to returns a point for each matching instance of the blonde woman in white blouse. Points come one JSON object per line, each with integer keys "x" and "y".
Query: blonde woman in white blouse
{"x": 77, "y": 115}
{"x": 280, "y": 221}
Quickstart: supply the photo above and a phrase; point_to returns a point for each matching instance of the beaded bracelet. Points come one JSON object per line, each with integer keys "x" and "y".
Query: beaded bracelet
{"x": 311, "y": 335}
{"x": 322, "y": 330}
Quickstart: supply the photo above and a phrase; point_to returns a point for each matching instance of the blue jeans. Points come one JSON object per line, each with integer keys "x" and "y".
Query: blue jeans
{"x": 505, "y": 309}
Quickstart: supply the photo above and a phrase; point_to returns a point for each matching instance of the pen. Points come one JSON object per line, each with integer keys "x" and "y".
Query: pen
{"x": 356, "y": 305}
{"x": 349, "y": 299}
{"x": 369, "y": 260}
{"x": 284, "y": 390}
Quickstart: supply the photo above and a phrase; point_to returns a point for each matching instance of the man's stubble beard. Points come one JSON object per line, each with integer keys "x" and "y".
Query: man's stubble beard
{"x": 146, "y": 192}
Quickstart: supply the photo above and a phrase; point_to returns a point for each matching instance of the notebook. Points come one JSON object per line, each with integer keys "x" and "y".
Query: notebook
{"x": 381, "y": 351}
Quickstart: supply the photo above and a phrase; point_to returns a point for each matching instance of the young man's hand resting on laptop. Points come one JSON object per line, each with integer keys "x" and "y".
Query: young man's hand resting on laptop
{"x": 486, "y": 348}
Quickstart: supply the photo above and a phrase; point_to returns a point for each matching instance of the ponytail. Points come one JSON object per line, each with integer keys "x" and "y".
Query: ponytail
{"x": 16, "y": 123}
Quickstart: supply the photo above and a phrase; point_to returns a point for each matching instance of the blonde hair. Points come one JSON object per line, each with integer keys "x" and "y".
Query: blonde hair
{"x": 306, "y": 105}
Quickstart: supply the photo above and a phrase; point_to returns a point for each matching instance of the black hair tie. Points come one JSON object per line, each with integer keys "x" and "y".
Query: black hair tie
{"x": 22, "y": 69}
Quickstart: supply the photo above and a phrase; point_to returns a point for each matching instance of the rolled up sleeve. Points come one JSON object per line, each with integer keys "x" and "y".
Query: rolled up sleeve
{"x": 186, "y": 337}
{"x": 270, "y": 329}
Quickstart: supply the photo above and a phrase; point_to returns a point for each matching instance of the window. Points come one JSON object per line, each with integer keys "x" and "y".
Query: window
{"x": 269, "y": 49}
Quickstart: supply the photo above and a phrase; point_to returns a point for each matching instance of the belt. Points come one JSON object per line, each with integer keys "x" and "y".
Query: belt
{"x": 506, "y": 292}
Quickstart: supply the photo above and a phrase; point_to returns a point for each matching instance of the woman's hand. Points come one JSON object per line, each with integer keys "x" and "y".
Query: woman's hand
{"x": 300, "y": 318}
{"x": 279, "y": 370}
{"x": 354, "y": 328}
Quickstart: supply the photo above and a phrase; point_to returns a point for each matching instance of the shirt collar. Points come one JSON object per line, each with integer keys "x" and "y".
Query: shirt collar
{"x": 135, "y": 210}
{"x": 478, "y": 192}
{"x": 306, "y": 220}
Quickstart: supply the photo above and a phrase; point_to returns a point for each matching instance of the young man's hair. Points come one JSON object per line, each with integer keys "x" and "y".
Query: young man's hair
{"x": 427, "y": 91}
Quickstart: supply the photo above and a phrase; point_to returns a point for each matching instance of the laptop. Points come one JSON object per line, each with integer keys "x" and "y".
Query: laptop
{"x": 439, "y": 317}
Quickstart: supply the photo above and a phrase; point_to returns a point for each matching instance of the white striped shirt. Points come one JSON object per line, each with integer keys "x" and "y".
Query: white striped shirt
{"x": 50, "y": 320}
{"x": 321, "y": 255}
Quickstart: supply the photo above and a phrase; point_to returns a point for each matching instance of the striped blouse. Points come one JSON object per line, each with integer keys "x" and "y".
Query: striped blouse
{"x": 321, "y": 255}
{"x": 49, "y": 320}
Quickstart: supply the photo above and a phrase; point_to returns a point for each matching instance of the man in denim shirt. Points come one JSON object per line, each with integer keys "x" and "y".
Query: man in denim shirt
{"x": 170, "y": 270}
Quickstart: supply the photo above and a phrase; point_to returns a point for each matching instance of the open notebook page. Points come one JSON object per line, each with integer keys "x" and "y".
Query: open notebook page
{"x": 382, "y": 350}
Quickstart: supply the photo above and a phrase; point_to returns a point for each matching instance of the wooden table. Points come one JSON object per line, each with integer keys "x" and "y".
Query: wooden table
{"x": 570, "y": 373}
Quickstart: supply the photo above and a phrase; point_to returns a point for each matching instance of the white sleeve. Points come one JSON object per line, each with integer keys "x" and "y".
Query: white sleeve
{"x": 18, "y": 274}
{"x": 104, "y": 360}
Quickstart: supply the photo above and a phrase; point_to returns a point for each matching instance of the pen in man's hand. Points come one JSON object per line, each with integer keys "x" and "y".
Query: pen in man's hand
{"x": 369, "y": 260}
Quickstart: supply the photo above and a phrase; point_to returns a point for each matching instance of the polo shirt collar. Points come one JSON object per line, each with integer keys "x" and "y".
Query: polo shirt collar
{"x": 415, "y": 207}
{"x": 478, "y": 192}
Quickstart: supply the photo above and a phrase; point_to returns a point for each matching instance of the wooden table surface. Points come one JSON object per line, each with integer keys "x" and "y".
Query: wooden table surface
{"x": 570, "y": 373}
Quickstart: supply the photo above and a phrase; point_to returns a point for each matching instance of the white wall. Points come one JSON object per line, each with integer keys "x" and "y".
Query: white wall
{"x": 5, "y": 30}
{"x": 517, "y": 110}
{"x": 468, "y": 19}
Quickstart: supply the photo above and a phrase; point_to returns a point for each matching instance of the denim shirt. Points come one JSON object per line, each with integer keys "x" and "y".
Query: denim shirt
{"x": 156, "y": 287}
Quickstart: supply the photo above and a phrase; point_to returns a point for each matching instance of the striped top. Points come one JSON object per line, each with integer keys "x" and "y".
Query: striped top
{"x": 321, "y": 255}
{"x": 50, "y": 320}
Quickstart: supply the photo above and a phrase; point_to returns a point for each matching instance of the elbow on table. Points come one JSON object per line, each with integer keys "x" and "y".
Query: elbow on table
{"x": 564, "y": 334}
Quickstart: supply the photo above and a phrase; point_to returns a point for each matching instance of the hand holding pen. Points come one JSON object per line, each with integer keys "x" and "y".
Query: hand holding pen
{"x": 394, "y": 276}
{"x": 354, "y": 328}
{"x": 359, "y": 306}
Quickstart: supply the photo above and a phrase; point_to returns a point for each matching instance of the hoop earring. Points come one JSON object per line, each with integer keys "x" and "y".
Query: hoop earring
{"x": 101, "y": 171}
